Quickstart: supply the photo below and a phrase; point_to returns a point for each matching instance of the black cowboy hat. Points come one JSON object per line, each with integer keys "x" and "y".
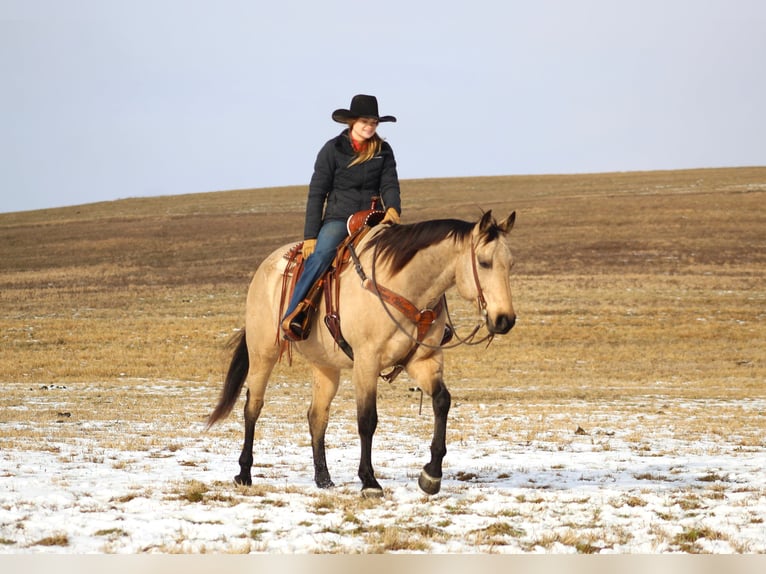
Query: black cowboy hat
{"x": 361, "y": 107}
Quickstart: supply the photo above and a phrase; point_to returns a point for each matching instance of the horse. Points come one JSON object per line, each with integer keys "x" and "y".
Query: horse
{"x": 418, "y": 262}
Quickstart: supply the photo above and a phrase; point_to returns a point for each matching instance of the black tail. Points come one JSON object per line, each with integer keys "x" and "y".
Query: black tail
{"x": 235, "y": 379}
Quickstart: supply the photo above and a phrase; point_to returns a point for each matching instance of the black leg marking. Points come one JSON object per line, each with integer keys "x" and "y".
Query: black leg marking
{"x": 430, "y": 478}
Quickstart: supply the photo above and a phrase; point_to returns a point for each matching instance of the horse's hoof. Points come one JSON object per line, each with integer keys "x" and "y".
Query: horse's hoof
{"x": 325, "y": 483}
{"x": 428, "y": 483}
{"x": 243, "y": 480}
{"x": 372, "y": 493}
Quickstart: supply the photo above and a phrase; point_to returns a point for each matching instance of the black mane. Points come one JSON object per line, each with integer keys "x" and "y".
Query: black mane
{"x": 398, "y": 244}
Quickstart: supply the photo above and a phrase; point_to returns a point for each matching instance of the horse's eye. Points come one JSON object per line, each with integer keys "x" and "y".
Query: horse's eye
{"x": 485, "y": 264}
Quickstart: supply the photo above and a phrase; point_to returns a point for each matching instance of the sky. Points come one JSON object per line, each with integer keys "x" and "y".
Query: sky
{"x": 104, "y": 99}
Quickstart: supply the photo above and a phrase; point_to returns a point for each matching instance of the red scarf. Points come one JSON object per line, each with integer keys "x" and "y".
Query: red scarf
{"x": 357, "y": 146}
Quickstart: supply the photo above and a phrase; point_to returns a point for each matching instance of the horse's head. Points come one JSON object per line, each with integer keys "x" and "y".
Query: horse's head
{"x": 484, "y": 272}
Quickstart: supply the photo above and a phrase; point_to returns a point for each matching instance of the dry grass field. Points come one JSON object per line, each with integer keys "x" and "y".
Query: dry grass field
{"x": 641, "y": 334}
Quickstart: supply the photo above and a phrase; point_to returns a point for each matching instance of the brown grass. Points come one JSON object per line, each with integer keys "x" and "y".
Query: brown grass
{"x": 626, "y": 285}
{"x": 621, "y": 280}
{"x": 54, "y": 540}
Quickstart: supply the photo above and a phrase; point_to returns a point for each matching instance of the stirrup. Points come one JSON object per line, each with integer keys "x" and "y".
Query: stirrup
{"x": 297, "y": 325}
{"x": 293, "y": 327}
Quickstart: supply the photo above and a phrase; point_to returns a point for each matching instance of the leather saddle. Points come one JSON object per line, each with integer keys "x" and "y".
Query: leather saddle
{"x": 357, "y": 225}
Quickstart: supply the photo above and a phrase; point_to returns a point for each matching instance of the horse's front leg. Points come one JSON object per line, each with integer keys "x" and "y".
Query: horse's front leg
{"x": 431, "y": 476}
{"x": 427, "y": 371}
{"x": 367, "y": 421}
{"x": 324, "y": 390}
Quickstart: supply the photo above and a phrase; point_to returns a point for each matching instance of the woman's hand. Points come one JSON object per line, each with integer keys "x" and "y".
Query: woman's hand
{"x": 308, "y": 247}
{"x": 391, "y": 217}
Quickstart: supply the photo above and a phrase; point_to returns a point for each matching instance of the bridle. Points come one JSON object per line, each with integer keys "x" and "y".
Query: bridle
{"x": 371, "y": 284}
{"x": 481, "y": 302}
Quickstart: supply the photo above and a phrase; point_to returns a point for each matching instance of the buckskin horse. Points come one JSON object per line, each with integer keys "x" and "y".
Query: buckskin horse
{"x": 395, "y": 318}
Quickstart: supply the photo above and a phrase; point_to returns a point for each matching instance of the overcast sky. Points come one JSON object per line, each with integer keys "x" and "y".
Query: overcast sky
{"x": 103, "y": 100}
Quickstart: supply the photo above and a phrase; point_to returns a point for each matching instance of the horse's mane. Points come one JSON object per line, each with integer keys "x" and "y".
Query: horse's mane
{"x": 398, "y": 244}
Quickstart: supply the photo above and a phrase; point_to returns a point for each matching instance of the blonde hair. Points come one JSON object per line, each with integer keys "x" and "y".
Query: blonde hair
{"x": 370, "y": 149}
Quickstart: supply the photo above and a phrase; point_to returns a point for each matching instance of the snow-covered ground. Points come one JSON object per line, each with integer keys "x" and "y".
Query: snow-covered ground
{"x": 593, "y": 492}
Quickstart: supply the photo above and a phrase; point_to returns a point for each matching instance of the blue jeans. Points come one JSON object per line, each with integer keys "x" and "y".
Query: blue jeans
{"x": 331, "y": 234}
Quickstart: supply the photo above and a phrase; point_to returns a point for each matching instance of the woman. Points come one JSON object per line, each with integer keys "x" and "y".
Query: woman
{"x": 350, "y": 170}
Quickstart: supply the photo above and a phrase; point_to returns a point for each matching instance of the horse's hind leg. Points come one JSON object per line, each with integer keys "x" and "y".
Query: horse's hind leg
{"x": 258, "y": 378}
{"x": 325, "y": 386}
{"x": 428, "y": 374}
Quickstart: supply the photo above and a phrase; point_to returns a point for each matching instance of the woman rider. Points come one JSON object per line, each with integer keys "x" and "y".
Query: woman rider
{"x": 350, "y": 170}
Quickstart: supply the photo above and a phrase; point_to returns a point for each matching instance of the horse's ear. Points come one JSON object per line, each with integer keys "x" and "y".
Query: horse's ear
{"x": 507, "y": 225}
{"x": 486, "y": 221}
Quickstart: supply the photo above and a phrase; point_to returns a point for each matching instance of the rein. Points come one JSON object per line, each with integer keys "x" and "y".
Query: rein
{"x": 420, "y": 317}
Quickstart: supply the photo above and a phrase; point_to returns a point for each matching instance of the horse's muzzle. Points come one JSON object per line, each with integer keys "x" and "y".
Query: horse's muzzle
{"x": 502, "y": 324}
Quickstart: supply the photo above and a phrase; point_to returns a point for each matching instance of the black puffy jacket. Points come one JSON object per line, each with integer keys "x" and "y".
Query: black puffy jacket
{"x": 337, "y": 191}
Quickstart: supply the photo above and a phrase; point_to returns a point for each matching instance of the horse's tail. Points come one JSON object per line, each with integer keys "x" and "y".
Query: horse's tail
{"x": 235, "y": 379}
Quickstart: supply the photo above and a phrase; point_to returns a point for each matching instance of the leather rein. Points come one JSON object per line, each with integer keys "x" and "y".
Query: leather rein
{"x": 423, "y": 318}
